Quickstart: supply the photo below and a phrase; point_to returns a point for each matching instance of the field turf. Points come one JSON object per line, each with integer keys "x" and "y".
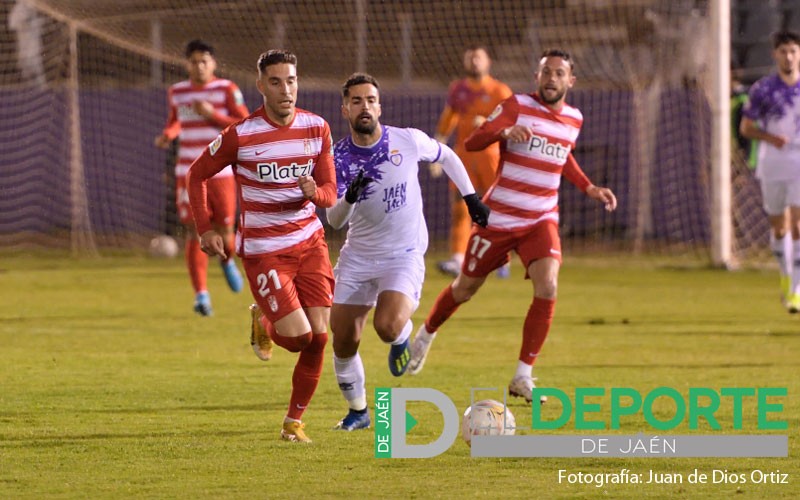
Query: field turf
{"x": 110, "y": 386}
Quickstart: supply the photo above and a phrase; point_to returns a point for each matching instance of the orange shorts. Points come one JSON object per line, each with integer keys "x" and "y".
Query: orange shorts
{"x": 283, "y": 283}
{"x": 221, "y": 201}
{"x": 488, "y": 249}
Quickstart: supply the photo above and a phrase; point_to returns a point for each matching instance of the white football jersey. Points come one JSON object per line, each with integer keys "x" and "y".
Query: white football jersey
{"x": 775, "y": 106}
{"x": 387, "y": 218}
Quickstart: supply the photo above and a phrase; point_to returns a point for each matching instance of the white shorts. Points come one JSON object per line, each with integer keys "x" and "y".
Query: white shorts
{"x": 778, "y": 195}
{"x": 359, "y": 280}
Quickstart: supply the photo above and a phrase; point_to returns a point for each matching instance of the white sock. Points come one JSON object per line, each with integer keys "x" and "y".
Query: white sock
{"x": 404, "y": 334}
{"x": 523, "y": 369}
{"x": 352, "y": 380}
{"x": 779, "y": 247}
{"x": 458, "y": 257}
{"x": 795, "y": 266}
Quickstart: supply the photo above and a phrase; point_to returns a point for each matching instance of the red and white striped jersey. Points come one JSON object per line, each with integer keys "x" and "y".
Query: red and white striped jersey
{"x": 194, "y": 131}
{"x": 268, "y": 159}
{"x": 525, "y": 190}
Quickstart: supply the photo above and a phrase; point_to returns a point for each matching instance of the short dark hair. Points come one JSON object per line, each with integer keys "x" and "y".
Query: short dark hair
{"x": 784, "y": 37}
{"x": 563, "y": 54}
{"x": 477, "y": 46}
{"x": 358, "y": 79}
{"x": 198, "y": 46}
{"x": 275, "y": 56}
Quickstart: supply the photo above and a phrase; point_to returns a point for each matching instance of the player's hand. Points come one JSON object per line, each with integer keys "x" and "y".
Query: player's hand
{"x": 517, "y": 133}
{"x": 307, "y": 185}
{"x": 477, "y": 210}
{"x": 203, "y": 108}
{"x": 356, "y": 187}
{"x": 211, "y": 243}
{"x": 603, "y": 195}
{"x": 162, "y": 141}
{"x": 435, "y": 169}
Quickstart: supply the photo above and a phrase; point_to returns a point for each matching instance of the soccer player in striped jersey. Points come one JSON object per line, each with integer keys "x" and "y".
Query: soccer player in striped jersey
{"x": 283, "y": 167}
{"x": 469, "y": 101}
{"x": 198, "y": 109}
{"x": 537, "y": 133}
{"x": 381, "y": 264}
{"x": 771, "y": 116}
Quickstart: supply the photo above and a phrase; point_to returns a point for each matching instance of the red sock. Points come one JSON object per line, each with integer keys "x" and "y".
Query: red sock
{"x": 443, "y": 308}
{"x": 537, "y": 325}
{"x": 197, "y": 263}
{"x": 306, "y": 375}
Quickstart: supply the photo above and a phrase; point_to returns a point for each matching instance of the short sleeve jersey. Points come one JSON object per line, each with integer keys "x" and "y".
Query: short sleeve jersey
{"x": 775, "y": 106}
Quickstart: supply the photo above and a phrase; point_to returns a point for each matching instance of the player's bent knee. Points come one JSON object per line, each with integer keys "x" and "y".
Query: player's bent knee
{"x": 344, "y": 347}
{"x": 388, "y": 331}
{"x": 546, "y": 290}
{"x": 295, "y": 344}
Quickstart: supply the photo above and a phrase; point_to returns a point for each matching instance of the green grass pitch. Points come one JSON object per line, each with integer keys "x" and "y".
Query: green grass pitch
{"x": 110, "y": 386}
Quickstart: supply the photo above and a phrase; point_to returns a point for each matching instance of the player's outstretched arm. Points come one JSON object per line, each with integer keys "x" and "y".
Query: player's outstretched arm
{"x": 435, "y": 168}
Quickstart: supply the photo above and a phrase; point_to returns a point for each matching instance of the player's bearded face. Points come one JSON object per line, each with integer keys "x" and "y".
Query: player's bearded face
{"x": 363, "y": 108}
{"x": 554, "y": 79}
{"x": 278, "y": 85}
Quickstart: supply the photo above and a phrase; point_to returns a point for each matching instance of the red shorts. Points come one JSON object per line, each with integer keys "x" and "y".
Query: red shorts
{"x": 283, "y": 283}
{"x": 221, "y": 201}
{"x": 488, "y": 249}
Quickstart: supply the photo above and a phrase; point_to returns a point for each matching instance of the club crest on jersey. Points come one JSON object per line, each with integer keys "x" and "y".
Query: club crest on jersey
{"x": 549, "y": 149}
{"x": 395, "y": 157}
{"x": 495, "y": 113}
{"x": 215, "y": 144}
{"x": 273, "y": 303}
{"x": 306, "y": 146}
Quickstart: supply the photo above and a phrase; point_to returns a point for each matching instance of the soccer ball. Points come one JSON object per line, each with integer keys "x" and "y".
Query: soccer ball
{"x": 487, "y": 418}
{"x": 163, "y": 246}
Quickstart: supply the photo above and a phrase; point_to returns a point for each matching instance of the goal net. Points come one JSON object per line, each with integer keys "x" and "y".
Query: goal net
{"x": 83, "y": 91}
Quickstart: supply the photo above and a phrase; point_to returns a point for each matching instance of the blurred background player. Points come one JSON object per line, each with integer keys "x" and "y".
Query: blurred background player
{"x": 743, "y": 146}
{"x": 198, "y": 109}
{"x": 284, "y": 170}
{"x": 469, "y": 101}
{"x": 382, "y": 262}
{"x": 539, "y": 131}
{"x": 771, "y": 116}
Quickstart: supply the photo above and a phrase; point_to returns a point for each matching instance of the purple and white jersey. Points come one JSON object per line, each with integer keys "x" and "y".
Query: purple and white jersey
{"x": 387, "y": 219}
{"x": 775, "y": 106}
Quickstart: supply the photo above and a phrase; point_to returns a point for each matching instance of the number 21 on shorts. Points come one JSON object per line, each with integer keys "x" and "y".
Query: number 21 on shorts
{"x": 263, "y": 281}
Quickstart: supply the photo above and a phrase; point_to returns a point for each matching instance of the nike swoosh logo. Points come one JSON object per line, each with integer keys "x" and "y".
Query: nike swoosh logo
{"x": 300, "y": 407}
{"x": 259, "y": 153}
{"x": 556, "y": 252}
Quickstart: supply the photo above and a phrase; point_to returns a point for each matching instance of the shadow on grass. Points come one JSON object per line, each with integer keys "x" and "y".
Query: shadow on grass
{"x": 277, "y": 406}
{"x": 62, "y": 439}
